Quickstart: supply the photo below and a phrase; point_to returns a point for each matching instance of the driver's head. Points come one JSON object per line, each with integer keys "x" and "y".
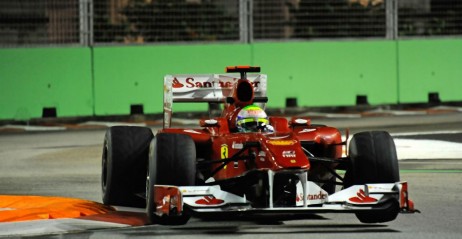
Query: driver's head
{"x": 251, "y": 119}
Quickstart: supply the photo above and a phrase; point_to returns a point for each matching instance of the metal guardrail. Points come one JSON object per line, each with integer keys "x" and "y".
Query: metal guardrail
{"x": 90, "y": 22}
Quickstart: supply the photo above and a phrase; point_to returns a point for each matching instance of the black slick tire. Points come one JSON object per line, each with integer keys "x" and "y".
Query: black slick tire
{"x": 373, "y": 160}
{"x": 124, "y": 165}
{"x": 172, "y": 161}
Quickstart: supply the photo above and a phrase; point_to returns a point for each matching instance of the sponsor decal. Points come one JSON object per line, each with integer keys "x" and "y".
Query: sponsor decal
{"x": 237, "y": 145}
{"x": 209, "y": 200}
{"x": 281, "y": 142}
{"x": 319, "y": 196}
{"x": 177, "y": 84}
{"x": 224, "y": 151}
{"x": 190, "y": 82}
{"x": 312, "y": 197}
{"x": 262, "y": 156}
{"x": 253, "y": 112}
{"x": 191, "y": 131}
{"x": 289, "y": 154}
{"x": 362, "y": 198}
{"x": 379, "y": 188}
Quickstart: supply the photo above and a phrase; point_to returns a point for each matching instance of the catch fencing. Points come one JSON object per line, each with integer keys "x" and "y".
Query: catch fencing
{"x": 119, "y": 22}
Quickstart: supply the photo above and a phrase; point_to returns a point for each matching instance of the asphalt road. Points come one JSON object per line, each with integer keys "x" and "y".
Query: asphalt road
{"x": 68, "y": 164}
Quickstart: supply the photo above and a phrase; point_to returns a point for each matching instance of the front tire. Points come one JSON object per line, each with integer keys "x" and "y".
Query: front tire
{"x": 172, "y": 161}
{"x": 124, "y": 160}
{"x": 373, "y": 160}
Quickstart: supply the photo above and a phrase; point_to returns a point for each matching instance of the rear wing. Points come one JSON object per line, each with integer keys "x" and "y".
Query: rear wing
{"x": 211, "y": 88}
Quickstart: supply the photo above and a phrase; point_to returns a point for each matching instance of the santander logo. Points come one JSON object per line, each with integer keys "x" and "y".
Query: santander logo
{"x": 310, "y": 197}
{"x": 176, "y": 83}
{"x": 209, "y": 200}
{"x": 362, "y": 198}
{"x": 190, "y": 82}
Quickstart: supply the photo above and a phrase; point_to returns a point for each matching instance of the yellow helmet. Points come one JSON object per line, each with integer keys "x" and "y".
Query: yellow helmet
{"x": 251, "y": 119}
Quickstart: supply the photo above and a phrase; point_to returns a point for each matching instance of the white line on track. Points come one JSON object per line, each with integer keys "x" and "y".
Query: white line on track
{"x": 427, "y": 149}
{"x": 426, "y": 133}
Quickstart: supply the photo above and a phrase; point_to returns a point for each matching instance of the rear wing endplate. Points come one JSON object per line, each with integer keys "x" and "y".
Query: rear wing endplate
{"x": 211, "y": 88}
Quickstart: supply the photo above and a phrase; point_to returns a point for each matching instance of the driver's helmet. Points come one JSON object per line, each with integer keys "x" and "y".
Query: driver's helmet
{"x": 251, "y": 119}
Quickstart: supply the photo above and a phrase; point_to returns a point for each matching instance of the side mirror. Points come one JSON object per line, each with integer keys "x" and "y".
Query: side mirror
{"x": 300, "y": 121}
{"x": 208, "y": 123}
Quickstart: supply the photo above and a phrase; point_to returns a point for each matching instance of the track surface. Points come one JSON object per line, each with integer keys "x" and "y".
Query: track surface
{"x": 68, "y": 164}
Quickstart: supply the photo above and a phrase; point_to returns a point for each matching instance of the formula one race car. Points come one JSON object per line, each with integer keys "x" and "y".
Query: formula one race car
{"x": 244, "y": 162}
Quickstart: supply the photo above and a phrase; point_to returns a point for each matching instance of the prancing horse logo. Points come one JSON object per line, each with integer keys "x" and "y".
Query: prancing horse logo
{"x": 224, "y": 153}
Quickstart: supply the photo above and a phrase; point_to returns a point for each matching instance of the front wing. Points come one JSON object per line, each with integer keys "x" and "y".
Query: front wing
{"x": 172, "y": 200}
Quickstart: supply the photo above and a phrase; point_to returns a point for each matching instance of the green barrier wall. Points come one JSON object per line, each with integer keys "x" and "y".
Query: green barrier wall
{"x": 135, "y": 75}
{"x": 329, "y": 73}
{"x": 427, "y": 66}
{"x": 32, "y": 79}
{"x": 108, "y": 80}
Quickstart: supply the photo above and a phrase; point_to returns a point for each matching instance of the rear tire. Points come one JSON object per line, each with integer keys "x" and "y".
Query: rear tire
{"x": 373, "y": 160}
{"x": 124, "y": 165}
{"x": 172, "y": 161}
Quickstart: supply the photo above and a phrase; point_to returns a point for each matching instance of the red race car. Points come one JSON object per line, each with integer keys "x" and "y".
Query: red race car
{"x": 244, "y": 162}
